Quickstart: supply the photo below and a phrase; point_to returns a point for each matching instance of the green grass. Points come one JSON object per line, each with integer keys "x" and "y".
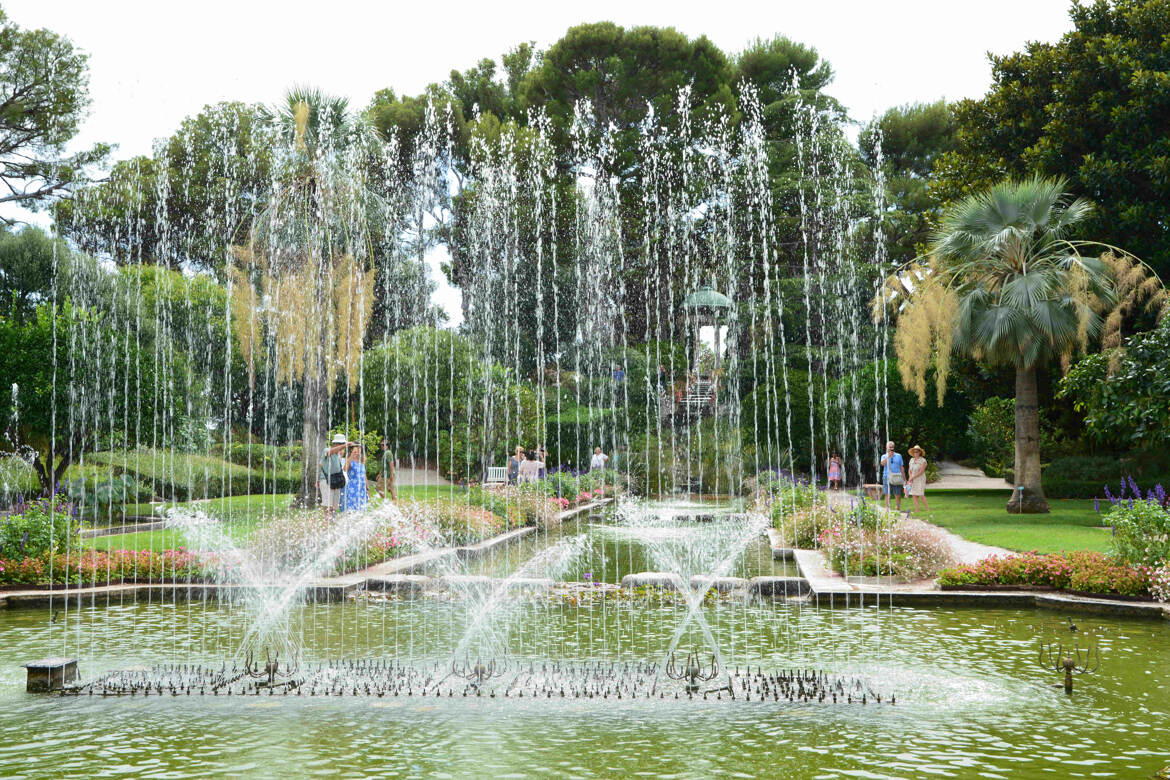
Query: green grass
{"x": 979, "y": 516}
{"x": 240, "y": 516}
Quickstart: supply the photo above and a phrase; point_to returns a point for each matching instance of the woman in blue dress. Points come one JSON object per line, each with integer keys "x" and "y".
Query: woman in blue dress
{"x": 356, "y": 495}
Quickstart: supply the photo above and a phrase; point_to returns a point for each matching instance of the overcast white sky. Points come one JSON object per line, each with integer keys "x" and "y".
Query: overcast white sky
{"x": 153, "y": 62}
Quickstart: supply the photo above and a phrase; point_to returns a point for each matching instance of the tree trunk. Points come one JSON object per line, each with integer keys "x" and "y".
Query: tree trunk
{"x": 1028, "y": 497}
{"x": 313, "y": 429}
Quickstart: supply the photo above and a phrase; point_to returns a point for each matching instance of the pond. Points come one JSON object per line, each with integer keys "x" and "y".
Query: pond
{"x": 972, "y": 699}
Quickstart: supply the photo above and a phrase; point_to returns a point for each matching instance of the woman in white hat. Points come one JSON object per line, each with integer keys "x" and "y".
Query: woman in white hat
{"x": 331, "y": 474}
{"x": 916, "y": 482}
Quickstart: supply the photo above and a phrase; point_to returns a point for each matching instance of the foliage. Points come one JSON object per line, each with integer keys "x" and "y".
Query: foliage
{"x": 39, "y": 528}
{"x": 993, "y": 433}
{"x": 93, "y": 567}
{"x": 180, "y": 476}
{"x": 1090, "y": 107}
{"x": 212, "y": 177}
{"x": 938, "y": 429}
{"x": 424, "y": 382}
{"x": 1086, "y": 571}
{"x": 457, "y": 522}
{"x": 44, "y": 94}
{"x": 99, "y": 499}
{"x": 908, "y": 549}
{"x": 909, "y": 138}
{"x": 1125, "y": 393}
{"x": 1160, "y": 583}
{"x": 28, "y": 262}
{"x": 1141, "y": 532}
{"x": 63, "y": 354}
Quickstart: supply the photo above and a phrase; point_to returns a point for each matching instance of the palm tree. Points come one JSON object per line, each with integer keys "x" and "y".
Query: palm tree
{"x": 302, "y": 289}
{"x": 1006, "y": 285}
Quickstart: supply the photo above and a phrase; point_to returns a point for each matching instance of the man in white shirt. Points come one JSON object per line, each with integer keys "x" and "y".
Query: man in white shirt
{"x": 597, "y": 462}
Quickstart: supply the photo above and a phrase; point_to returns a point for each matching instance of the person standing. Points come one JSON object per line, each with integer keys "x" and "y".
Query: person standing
{"x": 836, "y": 472}
{"x": 514, "y": 465}
{"x": 355, "y": 495}
{"x": 331, "y": 474}
{"x": 893, "y": 476}
{"x": 663, "y": 377}
{"x": 542, "y": 456}
{"x": 530, "y": 468}
{"x": 388, "y": 476}
{"x": 598, "y": 461}
{"x": 916, "y": 478}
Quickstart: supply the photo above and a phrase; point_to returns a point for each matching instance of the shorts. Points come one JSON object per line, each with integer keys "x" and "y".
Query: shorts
{"x": 895, "y": 490}
{"x": 330, "y": 498}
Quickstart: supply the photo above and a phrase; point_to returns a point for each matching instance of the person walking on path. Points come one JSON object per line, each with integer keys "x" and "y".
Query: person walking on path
{"x": 331, "y": 474}
{"x": 836, "y": 472}
{"x": 514, "y": 465}
{"x": 893, "y": 476}
{"x": 388, "y": 476}
{"x": 916, "y": 479}
{"x": 356, "y": 494}
{"x": 598, "y": 461}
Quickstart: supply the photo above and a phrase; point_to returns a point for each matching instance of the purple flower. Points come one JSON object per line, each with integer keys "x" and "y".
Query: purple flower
{"x": 588, "y": 575}
{"x": 1097, "y": 505}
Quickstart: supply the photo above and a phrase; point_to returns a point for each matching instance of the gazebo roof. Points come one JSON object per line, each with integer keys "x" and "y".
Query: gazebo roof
{"x": 707, "y": 298}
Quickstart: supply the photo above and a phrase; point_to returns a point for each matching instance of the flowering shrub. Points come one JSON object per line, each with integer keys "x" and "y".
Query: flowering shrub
{"x": 910, "y": 549}
{"x": 91, "y": 567}
{"x": 1160, "y": 583}
{"x": 1083, "y": 570}
{"x": 802, "y": 527}
{"x": 461, "y": 523}
{"x": 38, "y": 527}
{"x": 1141, "y": 531}
{"x": 563, "y": 503}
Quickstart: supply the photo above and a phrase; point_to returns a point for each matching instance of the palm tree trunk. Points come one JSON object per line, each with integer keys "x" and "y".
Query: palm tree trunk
{"x": 1028, "y": 497}
{"x": 314, "y": 425}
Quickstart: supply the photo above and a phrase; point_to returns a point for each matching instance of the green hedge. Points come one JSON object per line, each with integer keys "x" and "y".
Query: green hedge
{"x": 1085, "y": 476}
{"x": 183, "y": 476}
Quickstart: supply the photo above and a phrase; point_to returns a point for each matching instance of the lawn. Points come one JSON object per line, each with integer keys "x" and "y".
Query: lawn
{"x": 978, "y": 515}
{"x": 240, "y": 515}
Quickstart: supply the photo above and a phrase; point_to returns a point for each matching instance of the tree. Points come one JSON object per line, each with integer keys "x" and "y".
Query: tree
{"x": 1091, "y": 107}
{"x": 44, "y": 93}
{"x": 1007, "y": 285}
{"x": 303, "y": 287}
{"x": 183, "y": 206}
{"x": 27, "y": 265}
{"x": 1125, "y": 393}
{"x": 909, "y": 138}
{"x": 76, "y": 382}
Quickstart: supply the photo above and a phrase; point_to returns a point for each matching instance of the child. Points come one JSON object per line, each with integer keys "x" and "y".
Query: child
{"x": 836, "y": 472}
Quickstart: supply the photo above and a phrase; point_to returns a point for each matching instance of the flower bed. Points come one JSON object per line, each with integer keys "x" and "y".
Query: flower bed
{"x": 907, "y": 549}
{"x": 1082, "y": 571}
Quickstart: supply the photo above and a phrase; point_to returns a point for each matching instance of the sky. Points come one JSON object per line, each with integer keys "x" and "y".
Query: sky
{"x": 154, "y": 62}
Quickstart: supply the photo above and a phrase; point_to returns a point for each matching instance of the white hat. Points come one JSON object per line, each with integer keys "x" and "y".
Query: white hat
{"x": 339, "y": 438}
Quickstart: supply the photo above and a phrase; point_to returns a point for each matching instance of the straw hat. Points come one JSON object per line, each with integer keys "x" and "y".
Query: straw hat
{"x": 917, "y": 449}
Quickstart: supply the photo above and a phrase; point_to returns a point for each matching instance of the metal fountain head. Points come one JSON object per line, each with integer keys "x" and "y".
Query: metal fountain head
{"x": 479, "y": 672}
{"x": 693, "y": 670}
{"x": 1070, "y": 661}
{"x": 271, "y": 670}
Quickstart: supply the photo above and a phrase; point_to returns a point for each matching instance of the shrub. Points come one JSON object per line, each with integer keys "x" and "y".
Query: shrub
{"x": 183, "y": 476}
{"x": 1083, "y": 570}
{"x": 993, "y": 435}
{"x": 39, "y": 527}
{"x": 909, "y": 549}
{"x": 802, "y": 528}
{"x": 1141, "y": 532}
{"x": 461, "y": 523}
{"x": 97, "y": 500}
{"x": 1160, "y": 583}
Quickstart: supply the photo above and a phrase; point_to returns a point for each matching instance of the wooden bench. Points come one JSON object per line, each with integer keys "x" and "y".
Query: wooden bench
{"x": 873, "y": 491}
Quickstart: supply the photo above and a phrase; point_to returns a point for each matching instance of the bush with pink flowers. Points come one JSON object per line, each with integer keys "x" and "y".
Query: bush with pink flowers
{"x": 1084, "y": 571}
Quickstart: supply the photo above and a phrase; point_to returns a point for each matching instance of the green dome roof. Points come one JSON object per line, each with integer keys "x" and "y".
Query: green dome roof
{"x": 706, "y": 298}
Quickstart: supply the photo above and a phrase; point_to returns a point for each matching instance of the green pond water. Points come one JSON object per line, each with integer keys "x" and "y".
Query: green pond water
{"x": 972, "y": 699}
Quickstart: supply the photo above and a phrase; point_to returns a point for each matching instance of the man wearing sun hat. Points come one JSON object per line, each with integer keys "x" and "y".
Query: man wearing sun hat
{"x": 330, "y": 473}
